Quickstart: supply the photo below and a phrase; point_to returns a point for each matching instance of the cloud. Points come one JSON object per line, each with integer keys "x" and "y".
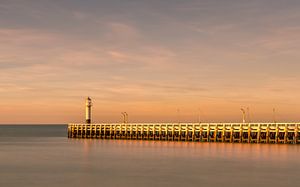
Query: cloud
{"x": 79, "y": 15}
{"x": 26, "y": 47}
{"x": 283, "y": 40}
{"x": 119, "y": 56}
{"x": 11, "y": 88}
{"x": 21, "y": 36}
{"x": 118, "y": 33}
{"x": 81, "y": 58}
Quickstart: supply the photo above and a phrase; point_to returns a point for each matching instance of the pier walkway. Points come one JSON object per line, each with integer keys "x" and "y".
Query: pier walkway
{"x": 287, "y": 133}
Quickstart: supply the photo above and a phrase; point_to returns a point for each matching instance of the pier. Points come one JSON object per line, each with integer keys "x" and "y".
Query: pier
{"x": 284, "y": 133}
{"x": 276, "y": 133}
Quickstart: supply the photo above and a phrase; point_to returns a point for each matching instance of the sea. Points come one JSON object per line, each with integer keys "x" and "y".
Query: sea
{"x": 42, "y": 156}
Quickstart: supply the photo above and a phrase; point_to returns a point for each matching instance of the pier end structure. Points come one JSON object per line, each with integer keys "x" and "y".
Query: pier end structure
{"x": 88, "y": 110}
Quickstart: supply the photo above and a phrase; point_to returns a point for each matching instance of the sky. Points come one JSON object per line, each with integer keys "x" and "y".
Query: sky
{"x": 160, "y": 61}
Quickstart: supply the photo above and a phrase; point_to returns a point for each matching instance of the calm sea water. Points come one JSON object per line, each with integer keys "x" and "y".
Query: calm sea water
{"x": 39, "y": 156}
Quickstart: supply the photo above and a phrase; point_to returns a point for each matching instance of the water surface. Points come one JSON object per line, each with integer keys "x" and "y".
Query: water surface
{"x": 38, "y": 156}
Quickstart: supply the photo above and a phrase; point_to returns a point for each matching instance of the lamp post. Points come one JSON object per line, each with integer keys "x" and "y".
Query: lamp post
{"x": 244, "y": 115}
{"x": 178, "y": 115}
{"x": 125, "y": 117}
{"x": 199, "y": 119}
{"x": 274, "y": 115}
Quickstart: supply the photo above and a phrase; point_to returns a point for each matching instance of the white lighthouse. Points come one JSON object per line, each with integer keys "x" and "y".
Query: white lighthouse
{"x": 88, "y": 110}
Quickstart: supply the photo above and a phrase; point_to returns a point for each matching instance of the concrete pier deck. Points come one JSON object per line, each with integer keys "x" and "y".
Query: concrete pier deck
{"x": 286, "y": 133}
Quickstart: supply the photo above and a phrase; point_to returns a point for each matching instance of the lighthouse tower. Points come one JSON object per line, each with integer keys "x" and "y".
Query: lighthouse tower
{"x": 88, "y": 110}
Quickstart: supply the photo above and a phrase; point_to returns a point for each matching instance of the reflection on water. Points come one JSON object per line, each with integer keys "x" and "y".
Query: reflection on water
{"x": 58, "y": 161}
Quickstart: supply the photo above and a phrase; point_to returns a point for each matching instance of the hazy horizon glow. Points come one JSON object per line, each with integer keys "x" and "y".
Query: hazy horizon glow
{"x": 149, "y": 58}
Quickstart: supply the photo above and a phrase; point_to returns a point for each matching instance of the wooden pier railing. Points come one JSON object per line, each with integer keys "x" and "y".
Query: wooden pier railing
{"x": 287, "y": 133}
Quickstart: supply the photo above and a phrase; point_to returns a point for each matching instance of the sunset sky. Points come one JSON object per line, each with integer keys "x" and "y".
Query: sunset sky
{"x": 158, "y": 60}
